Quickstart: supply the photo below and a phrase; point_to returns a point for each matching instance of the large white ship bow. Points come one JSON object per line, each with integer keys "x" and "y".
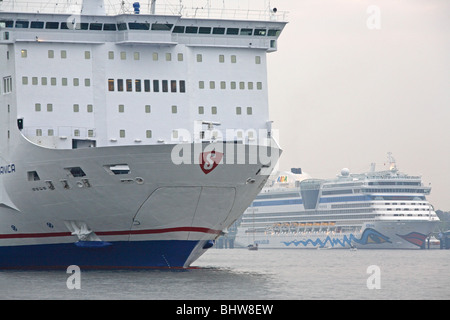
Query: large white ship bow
{"x": 128, "y": 140}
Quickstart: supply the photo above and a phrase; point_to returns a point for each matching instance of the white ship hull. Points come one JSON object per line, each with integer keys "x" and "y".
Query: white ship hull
{"x": 374, "y": 235}
{"x": 157, "y": 215}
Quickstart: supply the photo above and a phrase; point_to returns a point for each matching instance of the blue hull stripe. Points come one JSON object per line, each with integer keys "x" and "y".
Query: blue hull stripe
{"x": 121, "y": 254}
{"x": 276, "y": 202}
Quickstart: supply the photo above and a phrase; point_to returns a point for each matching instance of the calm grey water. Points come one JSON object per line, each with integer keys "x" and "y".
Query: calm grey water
{"x": 261, "y": 275}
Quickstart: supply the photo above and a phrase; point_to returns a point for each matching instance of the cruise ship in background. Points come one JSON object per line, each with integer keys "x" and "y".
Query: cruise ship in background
{"x": 131, "y": 138}
{"x": 376, "y": 209}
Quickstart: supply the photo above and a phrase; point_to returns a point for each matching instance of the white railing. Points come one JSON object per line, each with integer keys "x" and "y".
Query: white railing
{"x": 167, "y": 7}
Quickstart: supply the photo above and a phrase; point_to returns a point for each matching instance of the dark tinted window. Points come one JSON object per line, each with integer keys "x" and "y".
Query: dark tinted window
{"x": 162, "y": 26}
{"x": 109, "y": 27}
{"x": 219, "y": 31}
{"x": 274, "y": 33}
{"x": 52, "y": 25}
{"x": 8, "y": 23}
{"x": 204, "y": 30}
{"x": 22, "y": 24}
{"x": 96, "y": 26}
{"x": 191, "y": 29}
{"x": 138, "y": 26}
{"x": 178, "y": 29}
{"x": 233, "y": 31}
{"x": 260, "y": 32}
{"x": 37, "y": 24}
{"x": 122, "y": 26}
{"x": 82, "y": 26}
{"x": 246, "y": 32}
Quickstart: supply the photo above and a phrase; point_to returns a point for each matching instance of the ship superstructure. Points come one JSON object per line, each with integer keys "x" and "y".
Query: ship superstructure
{"x": 128, "y": 140}
{"x": 375, "y": 209}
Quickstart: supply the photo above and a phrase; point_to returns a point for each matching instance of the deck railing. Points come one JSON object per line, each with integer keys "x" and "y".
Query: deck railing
{"x": 114, "y": 7}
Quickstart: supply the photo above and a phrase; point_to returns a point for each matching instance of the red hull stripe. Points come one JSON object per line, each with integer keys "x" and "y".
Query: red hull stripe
{"x": 110, "y": 233}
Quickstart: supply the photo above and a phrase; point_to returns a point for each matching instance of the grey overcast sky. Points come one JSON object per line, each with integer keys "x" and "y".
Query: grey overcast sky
{"x": 344, "y": 95}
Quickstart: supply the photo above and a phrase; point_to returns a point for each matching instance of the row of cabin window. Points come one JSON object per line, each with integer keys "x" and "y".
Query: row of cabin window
{"x": 137, "y": 56}
{"x": 53, "y": 25}
{"x": 54, "y": 81}
{"x": 76, "y": 133}
{"x": 95, "y": 26}
{"x": 147, "y": 109}
{"x": 146, "y": 85}
{"x": 233, "y": 85}
{"x": 201, "y": 110}
{"x": 76, "y": 107}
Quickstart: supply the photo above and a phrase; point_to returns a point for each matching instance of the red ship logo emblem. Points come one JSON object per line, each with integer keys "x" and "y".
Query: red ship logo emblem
{"x": 210, "y": 160}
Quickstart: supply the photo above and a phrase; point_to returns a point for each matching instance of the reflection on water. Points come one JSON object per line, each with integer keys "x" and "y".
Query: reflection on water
{"x": 261, "y": 275}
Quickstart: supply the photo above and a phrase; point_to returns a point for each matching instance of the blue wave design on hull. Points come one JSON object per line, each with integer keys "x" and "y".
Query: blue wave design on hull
{"x": 369, "y": 236}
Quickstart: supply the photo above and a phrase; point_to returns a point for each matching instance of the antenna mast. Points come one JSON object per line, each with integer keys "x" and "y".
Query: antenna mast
{"x": 153, "y": 7}
{"x": 392, "y": 164}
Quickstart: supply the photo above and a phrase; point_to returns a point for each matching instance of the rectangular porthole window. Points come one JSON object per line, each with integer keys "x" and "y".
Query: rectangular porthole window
{"x": 122, "y": 133}
{"x": 111, "y": 84}
{"x": 165, "y": 86}
{"x": 75, "y": 172}
{"x": 147, "y": 85}
{"x": 155, "y": 85}
{"x": 117, "y": 169}
{"x": 137, "y": 85}
{"x": 182, "y": 86}
{"x": 33, "y": 176}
